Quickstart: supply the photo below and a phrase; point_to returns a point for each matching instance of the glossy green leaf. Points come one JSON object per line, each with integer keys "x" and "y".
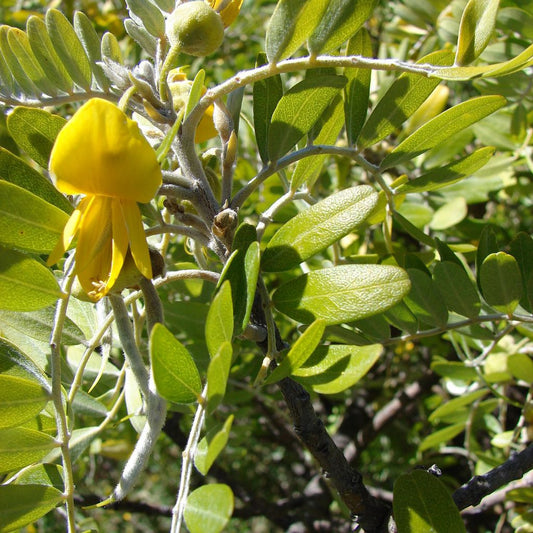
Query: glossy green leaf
{"x": 337, "y": 367}
{"x": 521, "y": 367}
{"x": 21, "y": 447}
{"x": 24, "y": 504}
{"x": 448, "y": 174}
{"x": 357, "y": 90}
{"x": 342, "y": 294}
{"x": 20, "y": 400}
{"x": 457, "y": 289}
{"x": 308, "y": 169}
{"x": 28, "y": 222}
{"x": 476, "y": 29}
{"x": 150, "y": 16}
{"x": 218, "y": 374}
{"x": 401, "y": 317}
{"x": 208, "y": 508}
{"x": 211, "y": 445}
{"x": 16, "y": 70}
{"x": 90, "y": 41}
{"x": 20, "y": 45}
{"x": 25, "y": 284}
{"x": 175, "y": 374}
{"x": 422, "y": 503}
{"x": 501, "y": 282}
{"x": 521, "y": 248}
{"x": 242, "y": 271}
{"x": 453, "y": 370}
{"x": 14, "y": 170}
{"x": 341, "y": 20}
{"x": 319, "y": 226}
{"x": 487, "y": 245}
{"x": 298, "y": 111}
{"x": 299, "y": 353}
{"x": 219, "y": 322}
{"x": 290, "y": 25}
{"x": 46, "y": 55}
{"x": 141, "y": 36}
{"x": 445, "y": 413}
{"x": 442, "y": 127}
{"x": 35, "y": 131}
{"x": 69, "y": 48}
{"x": 266, "y": 95}
{"x": 425, "y": 301}
{"x": 442, "y": 436}
{"x": 400, "y": 101}
{"x": 412, "y": 230}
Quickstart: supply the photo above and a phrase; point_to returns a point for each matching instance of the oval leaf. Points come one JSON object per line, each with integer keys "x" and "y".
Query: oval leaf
{"x": 208, "y": 508}
{"x": 211, "y": 445}
{"x": 28, "y": 222}
{"x": 342, "y": 294}
{"x": 219, "y": 322}
{"x": 501, "y": 282}
{"x": 424, "y": 300}
{"x": 175, "y": 374}
{"x": 422, "y": 503}
{"x": 298, "y": 111}
{"x": 25, "y": 284}
{"x": 318, "y": 227}
{"x": 217, "y": 375}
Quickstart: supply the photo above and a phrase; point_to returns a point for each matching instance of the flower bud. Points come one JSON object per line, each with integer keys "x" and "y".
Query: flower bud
{"x": 195, "y": 28}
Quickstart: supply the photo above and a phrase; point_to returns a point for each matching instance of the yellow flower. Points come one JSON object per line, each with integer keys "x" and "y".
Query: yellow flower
{"x": 100, "y": 153}
{"x": 227, "y": 9}
{"x": 180, "y": 87}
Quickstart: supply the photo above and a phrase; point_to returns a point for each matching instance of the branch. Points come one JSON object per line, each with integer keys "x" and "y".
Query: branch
{"x": 472, "y": 492}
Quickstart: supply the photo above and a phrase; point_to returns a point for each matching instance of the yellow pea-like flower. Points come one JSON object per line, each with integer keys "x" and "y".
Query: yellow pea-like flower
{"x": 100, "y": 153}
{"x": 227, "y": 9}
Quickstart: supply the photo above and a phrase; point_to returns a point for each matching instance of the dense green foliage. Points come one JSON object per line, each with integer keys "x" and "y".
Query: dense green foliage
{"x": 350, "y": 256}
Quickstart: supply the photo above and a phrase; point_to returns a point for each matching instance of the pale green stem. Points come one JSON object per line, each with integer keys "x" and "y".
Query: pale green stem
{"x": 188, "y": 463}
{"x": 168, "y": 65}
{"x": 63, "y": 434}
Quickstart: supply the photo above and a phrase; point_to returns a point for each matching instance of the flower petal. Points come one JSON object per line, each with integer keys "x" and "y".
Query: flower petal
{"x": 93, "y": 279}
{"x": 227, "y": 9}
{"x": 120, "y": 242}
{"x": 137, "y": 237}
{"x": 100, "y": 151}
{"x": 206, "y": 128}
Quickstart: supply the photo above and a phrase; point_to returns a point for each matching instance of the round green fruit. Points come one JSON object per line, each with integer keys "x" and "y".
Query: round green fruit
{"x": 195, "y": 28}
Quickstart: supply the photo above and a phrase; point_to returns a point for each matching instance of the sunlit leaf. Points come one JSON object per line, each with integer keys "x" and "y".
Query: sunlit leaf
{"x": 149, "y": 15}
{"x": 208, "y": 508}
{"x": 211, "y": 445}
{"x": 219, "y": 323}
{"x": 20, "y": 400}
{"x": 442, "y": 436}
{"x": 218, "y": 374}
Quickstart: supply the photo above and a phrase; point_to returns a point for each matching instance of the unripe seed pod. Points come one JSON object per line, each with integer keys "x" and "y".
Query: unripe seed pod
{"x": 195, "y": 28}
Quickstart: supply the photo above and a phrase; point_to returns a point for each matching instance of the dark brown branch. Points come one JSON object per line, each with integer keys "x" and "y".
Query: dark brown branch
{"x": 478, "y": 487}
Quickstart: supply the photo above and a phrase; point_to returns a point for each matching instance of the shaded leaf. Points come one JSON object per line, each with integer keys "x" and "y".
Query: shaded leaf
{"x": 342, "y": 294}
{"x": 501, "y": 282}
{"x": 449, "y": 409}
{"x": 211, "y": 445}
{"x": 441, "y": 436}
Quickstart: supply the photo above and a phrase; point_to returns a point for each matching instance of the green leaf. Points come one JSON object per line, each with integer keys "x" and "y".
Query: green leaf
{"x": 453, "y": 370}
{"x": 476, "y": 29}
{"x": 175, "y": 374}
{"x": 448, "y": 174}
{"x": 290, "y": 25}
{"x": 15, "y": 363}
{"x": 501, "y": 282}
{"x": 149, "y": 15}
{"x": 208, "y": 508}
{"x": 448, "y": 411}
{"x": 14, "y": 170}
{"x": 457, "y": 289}
{"x": 299, "y": 353}
{"x": 442, "y": 127}
{"x": 337, "y": 367}
{"x": 219, "y": 322}
{"x": 69, "y": 48}
{"x": 441, "y": 436}
{"x": 449, "y": 214}
{"x": 46, "y": 55}
{"x": 299, "y": 110}
{"x": 412, "y": 230}
{"x": 341, "y": 20}
{"x": 422, "y": 504}
{"x": 195, "y": 93}
{"x": 35, "y": 131}
{"x": 211, "y": 445}
{"x": 266, "y": 95}
{"x": 20, "y": 400}
{"x": 521, "y": 248}
{"x": 141, "y": 36}
{"x": 41, "y": 474}
{"x": 110, "y": 48}
{"x": 90, "y": 41}
{"x": 24, "y": 504}
{"x": 342, "y": 294}
{"x": 242, "y": 271}
{"x": 357, "y": 90}
{"x": 424, "y": 300}
{"x": 16, "y": 70}
{"x": 401, "y": 317}
{"x": 20, "y": 45}
{"x": 308, "y": 169}
{"x": 25, "y": 284}
{"x": 21, "y": 447}
{"x": 6, "y": 78}
{"x": 400, "y": 101}
{"x": 319, "y": 226}
{"x": 217, "y": 375}
{"x": 28, "y": 222}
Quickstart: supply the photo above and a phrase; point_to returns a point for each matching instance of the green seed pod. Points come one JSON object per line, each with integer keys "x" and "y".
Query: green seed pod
{"x": 195, "y": 28}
